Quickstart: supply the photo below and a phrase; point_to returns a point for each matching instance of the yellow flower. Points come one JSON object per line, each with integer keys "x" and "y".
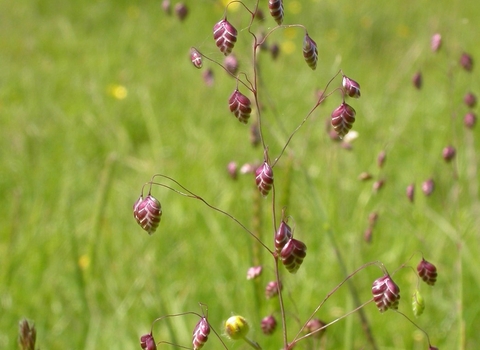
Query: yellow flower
{"x": 84, "y": 262}
{"x": 233, "y": 7}
{"x": 117, "y": 91}
{"x": 236, "y": 327}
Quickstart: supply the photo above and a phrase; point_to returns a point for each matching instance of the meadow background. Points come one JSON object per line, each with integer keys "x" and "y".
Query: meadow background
{"x": 96, "y": 96}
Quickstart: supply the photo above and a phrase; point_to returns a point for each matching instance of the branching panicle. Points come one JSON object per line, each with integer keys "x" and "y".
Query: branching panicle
{"x": 287, "y": 250}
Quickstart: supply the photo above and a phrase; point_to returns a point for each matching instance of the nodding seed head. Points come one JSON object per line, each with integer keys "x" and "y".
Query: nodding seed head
{"x": 448, "y": 153}
{"x": 343, "y": 118}
{"x": 386, "y": 293}
{"x": 148, "y": 213}
{"x": 470, "y": 120}
{"x": 272, "y": 289}
{"x": 264, "y": 178}
{"x": 147, "y": 342}
{"x": 282, "y": 236}
{"x": 427, "y": 271}
{"x": 276, "y": 10}
{"x": 292, "y": 255}
{"x": 466, "y": 61}
{"x": 470, "y": 99}
{"x": 436, "y": 42}
{"x": 268, "y": 325}
{"x": 240, "y": 106}
{"x": 352, "y": 88}
{"x": 225, "y": 36}
{"x": 417, "y": 80}
{"x": 200, "y": 334}
{"x": 310, "y": 51}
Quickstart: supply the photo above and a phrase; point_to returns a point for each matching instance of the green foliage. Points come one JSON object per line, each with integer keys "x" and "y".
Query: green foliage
{"x": 75, "y": 151}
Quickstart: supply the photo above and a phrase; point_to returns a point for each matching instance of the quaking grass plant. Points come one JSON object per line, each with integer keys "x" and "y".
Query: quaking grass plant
{"x": 287, "y": 251}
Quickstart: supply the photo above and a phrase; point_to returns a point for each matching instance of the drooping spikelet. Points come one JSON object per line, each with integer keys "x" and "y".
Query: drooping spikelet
{"x": 316, "y": 327}
{"x": 276, "y": 10}
{"x": 386, "y": 293}
{"x": 343, "y": 118}
{"x": 240, "y": 106}
{"x": 310, "y": 52}
{"x": 200, "y": 334}
{"x": 272, "y": 289}
{"x": 282, "y": 236}
{"x": 427, "y": 271}
{"x": 292, "y": 255}
{"x": 352, "y": 88}
{"x": 264, "y": 178}
{"x": 268, "y": 325}
{"x": 148, "y": 213}
{"x": 225, "y": 36}
{"x": 196, "y": 58}
{"x": 147, "y": 342}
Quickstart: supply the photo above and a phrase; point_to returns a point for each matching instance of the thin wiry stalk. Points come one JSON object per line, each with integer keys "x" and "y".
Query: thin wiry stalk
{"x": 332, "y": 292}
{"x": 166, "y": 317}
{"x": 282, "y": 306}
{"x": 416, "y": 325}
{"x": 277, "y": 272}
{"x": 358, "y": 308}
{"x": 319, "y": 101}
{"x": 190, "y": 194}
{"x": 257, "y": 219}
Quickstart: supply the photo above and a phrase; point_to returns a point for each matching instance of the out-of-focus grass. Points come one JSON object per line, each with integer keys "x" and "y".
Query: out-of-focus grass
{"x": 96, "y": 96}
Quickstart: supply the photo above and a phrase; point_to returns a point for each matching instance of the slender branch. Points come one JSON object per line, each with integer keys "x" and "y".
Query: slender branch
{"x": 333, "y": 291}
{"x": 319, "y": 101}
{"x": 334, "y": 321}
{"x": 190, "y": 194}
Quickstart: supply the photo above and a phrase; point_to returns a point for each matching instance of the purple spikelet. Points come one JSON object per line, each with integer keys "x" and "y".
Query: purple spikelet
{"x": 411, "y": 192}
{"x": 268, "y": 325}
{"x": 436, "y": 42}
{"x": 352, "y": 88}
{"x": 386, "y": 293}
{"x": 276, "y": 10}
{"x": 315, "y": 326}
{"x": 147, "y": 342}
{"x": 200, "y": 334}
{"x": 292, "y": 255}
{"x": 196, "y": 58}
{"x": 470, "y": 120}
{"x": 343, "y": 118}
{"x": 282, "y": 236}
{"x": 272, "y": 289}
{"x": 240, "y": 106}
{"x": 427, "y": 271}
{"x": 225, "y": 36}
{"x": 417, "y": 80}
{"x": 310, "y": 52}
{"x": 264, "y": 178}
{"x": 148, "y": 213}
{"x": 448, "y": 153}
{"x": 466, "y": 61}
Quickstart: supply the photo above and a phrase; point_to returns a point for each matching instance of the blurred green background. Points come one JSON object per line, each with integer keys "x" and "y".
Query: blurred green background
{"x": 96, "y": 96}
